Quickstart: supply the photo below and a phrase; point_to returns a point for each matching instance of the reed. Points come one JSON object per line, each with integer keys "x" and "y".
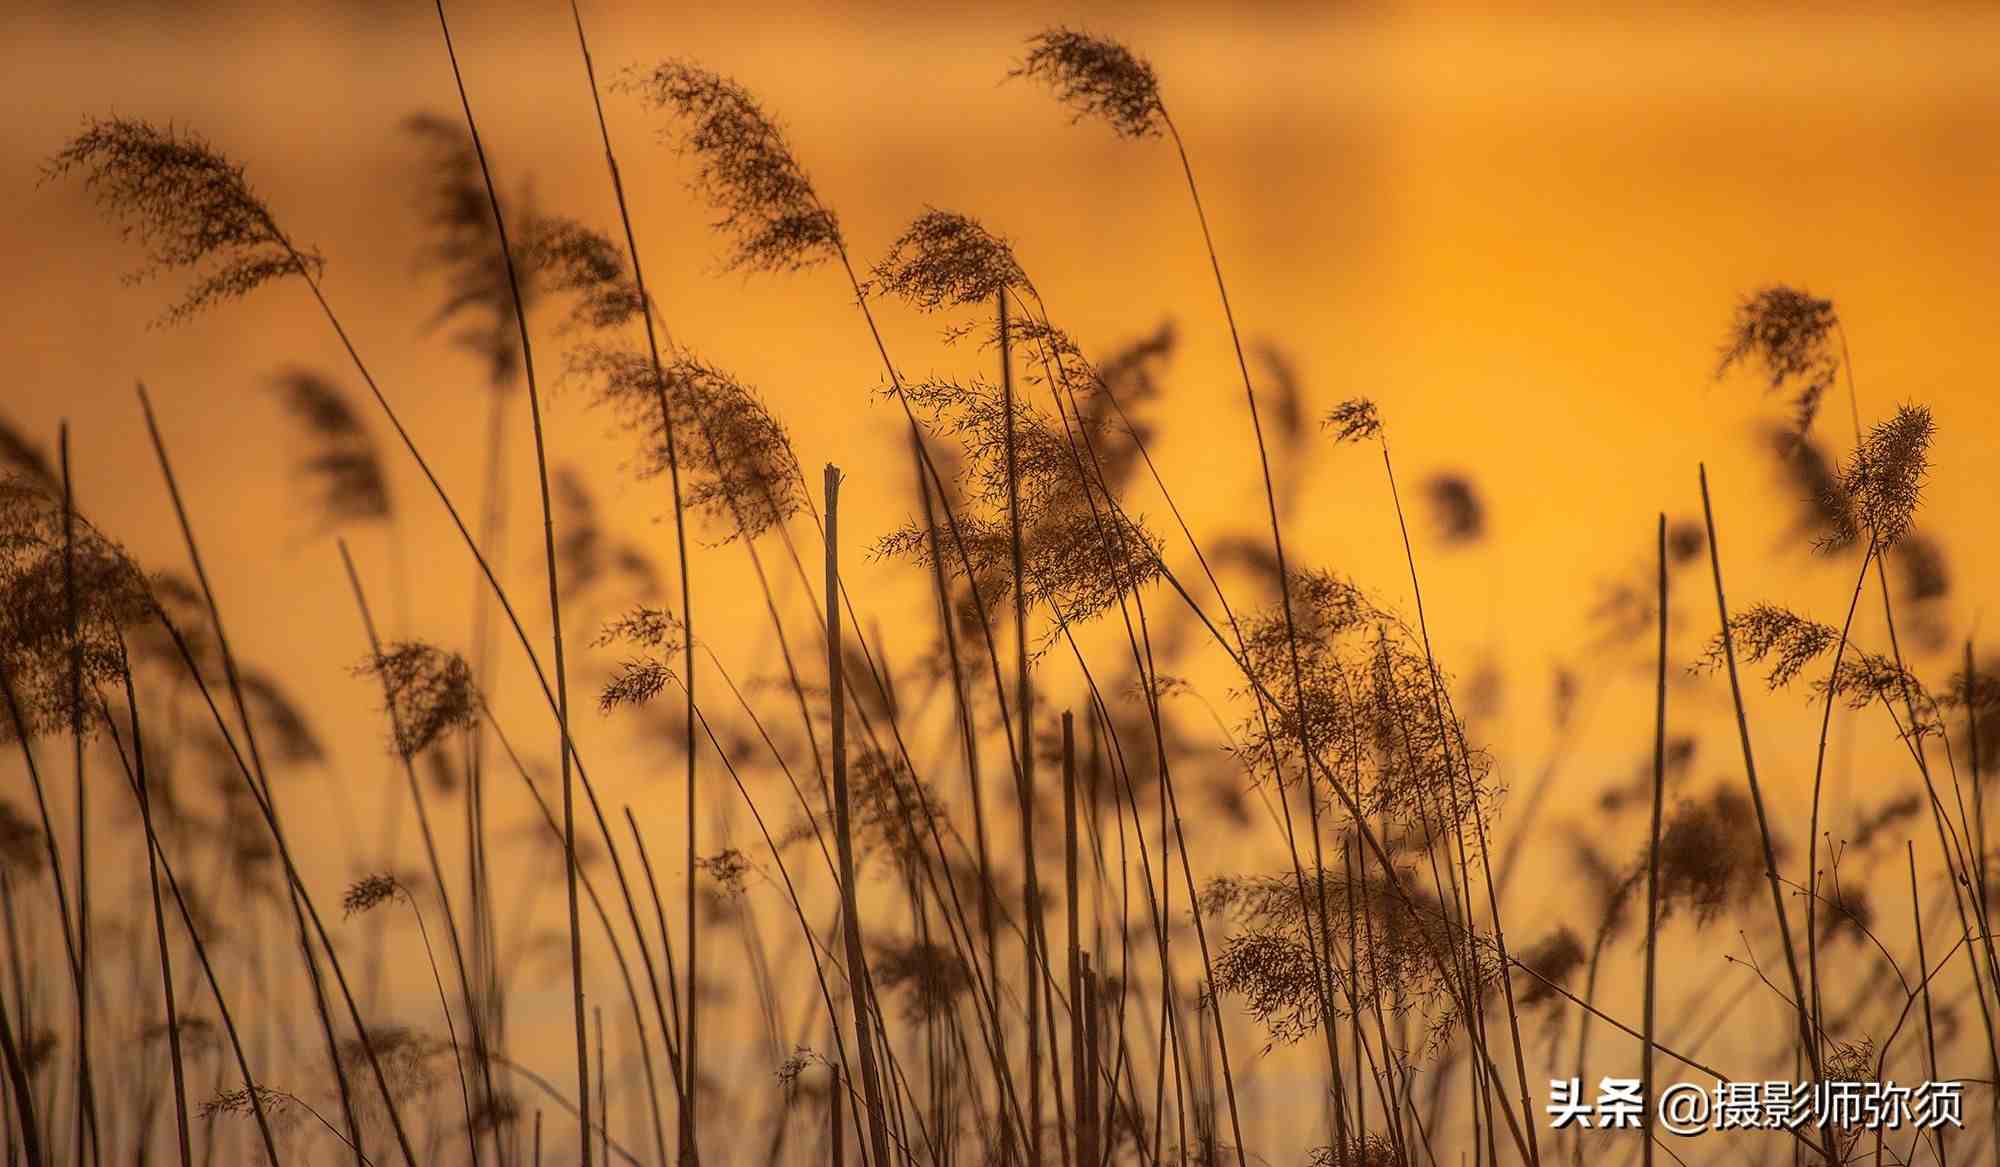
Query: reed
{"x": 1376, "y": 978}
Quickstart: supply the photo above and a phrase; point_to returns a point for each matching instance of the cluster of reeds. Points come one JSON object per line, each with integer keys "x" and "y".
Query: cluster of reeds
{"x": 1017, "y": 953}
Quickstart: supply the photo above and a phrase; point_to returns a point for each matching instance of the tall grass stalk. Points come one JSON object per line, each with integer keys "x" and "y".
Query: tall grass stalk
{"x": 166, "y": 956}
{"x": 1962, "y": 869}
{"x": 549, "y": 819}
{"x": 470, "y": 1000}
{"x": 555, "y": 597}
{"x": 859, "y": 996}
{"x": 690, "y": 1087}
{"x": 1653, "y": 851}
{"x": 1139, "y": 641}
{"x": 86, "y": 1089}
{"x": 187, "y": 916}
{"x": 1271, "y": 506}
{"x": 1819, "y": 776}
{"x": 1079, "y": 1009}
{"x": 1439, "y": 711}
{"x": 24, "y": 1099}
{"x": 1801, "y": 1001}
{"x": 258, "y": 783}
{"x": 1024, "y": 705}
{"x": 1923, "y": 966}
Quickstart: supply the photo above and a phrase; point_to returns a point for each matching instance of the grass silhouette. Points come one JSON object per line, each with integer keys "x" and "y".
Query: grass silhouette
{"x": 947, "y": 1019}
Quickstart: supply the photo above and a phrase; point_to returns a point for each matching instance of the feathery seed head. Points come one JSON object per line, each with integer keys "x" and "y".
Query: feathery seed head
{"x": 1791, "y": 335}
{"x": 658, "y": 634}
{"x": 735, "y": 456}
{"x": 1557, "y": 957}
{"x": 1354, "y": 421}
{"x": 746, "y": 169}
{"x": 343, "y": 467}
{"x": 1097, "y": 78}
{"x": 427, "y": 693}
{"x": 930, "y": 977}
{"x": 567, "y": 257}
{"x": 948, "y": 260}
{"x": 190, "y": 207}
{"x": 729, "y": 868}
{"x": 1711, "y": 855}
{"x": 1686, "y": 538}
{"x": 1767, "y": 632}
{"x": 38, "y": 570}
{"x": 370, "y": 892}
{"x": 1459, "y": 513}
{"x": 464, "y": 247}
{"x": 1885, "y": 477}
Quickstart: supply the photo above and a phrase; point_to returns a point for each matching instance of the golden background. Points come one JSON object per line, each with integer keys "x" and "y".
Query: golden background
{"x": 1522, "y": 232}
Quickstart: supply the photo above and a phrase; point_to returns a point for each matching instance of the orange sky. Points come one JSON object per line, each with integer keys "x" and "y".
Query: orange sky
{"x": 1521, "y": 234}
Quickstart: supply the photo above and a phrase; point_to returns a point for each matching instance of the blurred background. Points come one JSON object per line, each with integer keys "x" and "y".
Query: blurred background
{"x": 1522, "y": 232}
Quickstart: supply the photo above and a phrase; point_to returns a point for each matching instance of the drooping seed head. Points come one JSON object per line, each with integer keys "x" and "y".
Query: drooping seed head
{"x": 734, "y": 455}
{"x": 43, "y": 563}
{"x": 188, "y": 205}
{"x": 1769, "y": 633}
{"x": 428, "y": 692}
{"x": 948, "y": 260}
{"x": 1791, "y": 335}
{"x": 343, "y": 468}
{"x": 747, "y": 171}
{"x": 1097, "y": 77}
{"x": 1353, "y": 421}
{"x": 370, "y": 892}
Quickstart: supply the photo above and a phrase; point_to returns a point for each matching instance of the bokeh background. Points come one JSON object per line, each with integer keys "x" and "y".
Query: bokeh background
{"x": 1522, "y": 232}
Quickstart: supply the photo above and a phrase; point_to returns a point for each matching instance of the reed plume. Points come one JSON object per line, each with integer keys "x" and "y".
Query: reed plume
{"x": 44, "y": 559}
{"x": 1789, "y": 335}
{"x": 192, "y": 209}
{"x": 343, "y": 470}
{"x": 428, "y": 693}
{"x": 1884, "y": 477}
{"x": 743, "y": 474}
{"x": 746, "y": 170}
{"x": 1097, "y": 78}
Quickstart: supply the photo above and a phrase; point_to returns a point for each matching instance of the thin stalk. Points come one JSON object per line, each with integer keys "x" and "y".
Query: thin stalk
{"x": 1653, "y": 851}
{"x": 24, "y": 1101}
{"x": 159, "y": 923}
{"x": 604, "y": 919}
{"x": 859, "y": 998}
{"x": 1024, "y": 699}
{"x": 969, "y": 744}
{"x": 1141, "y": 645}
{"x": 1975, "y": 876}
{"x": 1270, "y": 495}
{"x": 450, "y": 1029}
{"x": 1930, "y": 1033}
{"x": 254, "y": 777}
{"x": 86, "y": 1114}
{"x": 1805, "y": 1022}
{"x": 1438, "y": 703}
{"x": 1086, "y": 1134}
{"x": 603, "y": 1091}
{"x": 1819, "y": 776}
{"x": 691, "y": 1046}
{"x": 437, "y": 874}
{"x": 194, "y": 935}
{"x": 555, "y": 598}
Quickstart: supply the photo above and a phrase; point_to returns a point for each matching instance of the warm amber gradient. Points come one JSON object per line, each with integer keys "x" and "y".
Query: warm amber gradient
{"x": 1522, "y": 234}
